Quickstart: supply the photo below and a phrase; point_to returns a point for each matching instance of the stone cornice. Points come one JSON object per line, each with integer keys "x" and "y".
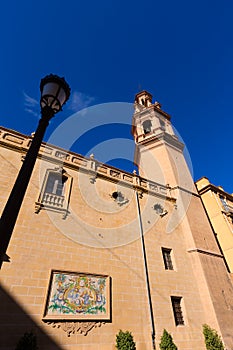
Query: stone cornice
{"x": 163, "y": 136}
{"x": 156, "y": 141}
{"x": 20, "y": 143}
{"x": 216, "y": 189}
{"x": 152, "y": 107}
{"x": 204, "y": 251}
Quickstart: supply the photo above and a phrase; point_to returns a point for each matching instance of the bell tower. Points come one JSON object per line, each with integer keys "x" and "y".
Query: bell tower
{"x": 159, "y": 152}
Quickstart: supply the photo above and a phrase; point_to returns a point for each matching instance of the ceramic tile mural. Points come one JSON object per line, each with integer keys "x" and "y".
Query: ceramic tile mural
{"x": 77, "y": 295}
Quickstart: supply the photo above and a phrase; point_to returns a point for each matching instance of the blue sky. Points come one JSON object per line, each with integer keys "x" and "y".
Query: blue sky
{"x": 180, "y": 51}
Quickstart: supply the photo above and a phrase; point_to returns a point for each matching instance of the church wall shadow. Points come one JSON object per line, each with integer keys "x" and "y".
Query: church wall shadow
{"x": 14, "y": 322}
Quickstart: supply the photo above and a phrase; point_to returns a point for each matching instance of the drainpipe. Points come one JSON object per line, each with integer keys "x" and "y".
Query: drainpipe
{"x": 146, "y": 272}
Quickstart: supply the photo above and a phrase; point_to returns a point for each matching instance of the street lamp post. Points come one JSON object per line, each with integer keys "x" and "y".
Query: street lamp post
{"x": 54, "y": 94}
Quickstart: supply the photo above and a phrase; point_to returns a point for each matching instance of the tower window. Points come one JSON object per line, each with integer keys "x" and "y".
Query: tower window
{"x": 167, "y": 259}
{"x": 224, "y": 203}
{"x": 162, "y": 124}
{"x": 147, "y": 126}
{"x": 177, "y": 311}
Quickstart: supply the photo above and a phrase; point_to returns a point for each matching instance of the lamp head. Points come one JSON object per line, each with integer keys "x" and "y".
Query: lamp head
{"x": 54, "y": 93}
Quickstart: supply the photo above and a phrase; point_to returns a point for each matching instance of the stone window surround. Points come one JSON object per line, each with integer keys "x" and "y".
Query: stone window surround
{"x": 53, "y": 201}
{"x": 177, "y": 310}
{"x": 167, "y": 258}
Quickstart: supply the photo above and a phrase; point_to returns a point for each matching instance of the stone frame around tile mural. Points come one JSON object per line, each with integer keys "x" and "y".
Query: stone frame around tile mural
{"x": 77, "y": 297}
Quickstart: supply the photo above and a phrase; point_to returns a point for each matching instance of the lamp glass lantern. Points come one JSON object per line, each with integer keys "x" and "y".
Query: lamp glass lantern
{"x": 54, "y": 94}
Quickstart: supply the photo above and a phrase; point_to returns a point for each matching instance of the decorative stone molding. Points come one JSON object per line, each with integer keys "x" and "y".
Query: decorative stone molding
{"x": 115, "y": 174}
{"x": 140, "y": 194}
{"x": 76, "y": 327}
{"x": 119, "y": 198}
{"x": 17, "y": 141}
{"x": 160, "y": 210}
{"x": 93, "y": 178}
{"x": 207, "y": 252}
{"x": 23, "y": 157}
{"x": 92, "y": 166}
{"x": 77, "y": 302}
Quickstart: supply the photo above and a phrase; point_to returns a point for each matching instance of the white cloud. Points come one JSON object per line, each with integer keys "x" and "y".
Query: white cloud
{"x": 31, "y": 105}
{"x": 36, "y": 114}
{"x": 30, "y": 101}
{"x": 79, "y": 100}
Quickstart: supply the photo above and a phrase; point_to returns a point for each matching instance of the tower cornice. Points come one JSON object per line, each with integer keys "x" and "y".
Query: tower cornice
{"x": 154, "y": 107}
{"x": 171, "y": 140}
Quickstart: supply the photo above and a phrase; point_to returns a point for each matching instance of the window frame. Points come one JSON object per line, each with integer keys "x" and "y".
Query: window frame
{"x": 178, "y": 314}
{"x": 147, "y": 126}
{"x": 167, "y": 258}
{"x": 49, "y": 200}
{"x": 57, "y": 186}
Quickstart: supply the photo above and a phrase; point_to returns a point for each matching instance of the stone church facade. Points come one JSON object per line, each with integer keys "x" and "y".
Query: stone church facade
{"x": 97, "y": 249}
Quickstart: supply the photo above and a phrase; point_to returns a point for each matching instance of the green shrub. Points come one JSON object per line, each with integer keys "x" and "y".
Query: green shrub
{"x": 166, "y": 342}
{"x": 212, "y": 339}
{"x": 27, "y": 342}
{"x": 124, "y": 341}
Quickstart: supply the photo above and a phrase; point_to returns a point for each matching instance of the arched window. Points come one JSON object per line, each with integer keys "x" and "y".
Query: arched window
{"x": 147, "y": 126}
